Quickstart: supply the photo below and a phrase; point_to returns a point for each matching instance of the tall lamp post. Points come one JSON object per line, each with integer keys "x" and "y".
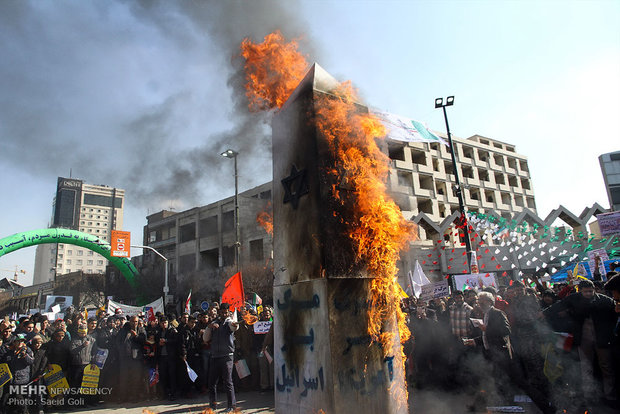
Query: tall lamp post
{"x": 459, "y": 191}
{"x": 166, "y": 288}
{"x": 233, "y": 154}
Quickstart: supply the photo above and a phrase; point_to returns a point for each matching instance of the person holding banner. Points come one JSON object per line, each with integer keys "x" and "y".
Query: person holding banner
{"x": 83, "y": 349}
{"x": 221, "y": 333}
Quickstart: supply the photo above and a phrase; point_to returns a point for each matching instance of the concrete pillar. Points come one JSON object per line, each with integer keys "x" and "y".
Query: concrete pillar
{"x": 324, "y": 357}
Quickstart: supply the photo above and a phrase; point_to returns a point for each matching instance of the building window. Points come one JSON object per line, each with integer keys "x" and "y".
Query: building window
{"x": 506, "y": 198}
{"x": 499, "y": 178}
{"x": 68, "y": 261}
{"x": 256, "y": 250}
{"x": 79, "y": 262}
{"x": 426, "y": 182}
{"x": 468, "y": 172}
{"x": 405, "y": 179}
{"x": 418, "y": 157}
{"x": 512, "y": 163}
{"x": 228, "y": 221}
{"x": 69, "y": 252}
{"x": 483, "y": 175}
{"x": 99, "y": 262}
{"x": 468, "y": 152}
{"x": 208, "y": 226}
{"x": 188, "y": 232}
{"x": 60, "y": 255}
{"x": 80, "y": 252}
{"x": 523, "y": 166}
{"x": 499, "y": 160}
{"x": 512, "y": 181}
{"x": 89, "y": 262}
{"x": 396, "y": 152}
{"x": 525, "y": 183}
{"x": 90, "y": 253}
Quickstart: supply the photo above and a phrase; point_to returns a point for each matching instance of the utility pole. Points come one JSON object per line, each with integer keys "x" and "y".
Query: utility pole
{"x": 459, "y": 191}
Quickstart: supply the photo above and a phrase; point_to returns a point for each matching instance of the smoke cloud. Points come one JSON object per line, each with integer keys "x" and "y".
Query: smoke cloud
{"x": 142, "y": 95}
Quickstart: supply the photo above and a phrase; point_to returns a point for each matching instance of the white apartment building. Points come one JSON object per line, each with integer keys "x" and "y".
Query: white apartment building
{"x": 492, "y": 173}
{"x": 92, "y": 209}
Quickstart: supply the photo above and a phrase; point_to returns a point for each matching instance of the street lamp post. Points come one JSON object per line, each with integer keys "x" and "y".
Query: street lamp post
{"x": 233, "y": 154}
{"x": 459, "y": 191}
{"x": 166, "y": 288}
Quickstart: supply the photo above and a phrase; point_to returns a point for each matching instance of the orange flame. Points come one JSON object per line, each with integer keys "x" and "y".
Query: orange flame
{"x": 273, "y": 69}
{"x": 378, "y": 228}
{"x": 250, "y": 319}
{"x": 265, "y": 220}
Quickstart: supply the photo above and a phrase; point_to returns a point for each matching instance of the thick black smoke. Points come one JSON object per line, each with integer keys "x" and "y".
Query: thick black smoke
{"x": 142, "y": 95}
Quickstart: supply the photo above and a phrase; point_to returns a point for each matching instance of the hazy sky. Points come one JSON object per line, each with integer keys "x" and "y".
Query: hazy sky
{"x": 143, "y": 95}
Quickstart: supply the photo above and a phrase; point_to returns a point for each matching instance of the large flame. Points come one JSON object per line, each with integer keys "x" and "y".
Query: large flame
{"x": 273, "y": 69}
{"x": 265, "y": 220}
{"x": 377, "y": 228}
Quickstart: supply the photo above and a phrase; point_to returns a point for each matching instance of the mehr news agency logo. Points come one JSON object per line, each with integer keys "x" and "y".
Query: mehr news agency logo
{"x": 57, "y": 390}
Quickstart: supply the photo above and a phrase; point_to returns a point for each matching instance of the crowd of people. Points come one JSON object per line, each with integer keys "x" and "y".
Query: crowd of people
{"x": 145, "y": 358}
{"x": 557, "y": 345}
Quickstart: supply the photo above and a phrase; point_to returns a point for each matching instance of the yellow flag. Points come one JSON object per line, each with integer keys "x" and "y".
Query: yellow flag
{"x": 401, "y": 292}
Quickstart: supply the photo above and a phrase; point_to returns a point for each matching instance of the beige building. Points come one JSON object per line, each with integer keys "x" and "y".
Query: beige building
{"x": 492, "y": 173}
{"x": 92, "y": 209}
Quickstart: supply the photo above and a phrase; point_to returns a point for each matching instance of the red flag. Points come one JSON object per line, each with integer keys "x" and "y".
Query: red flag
{"x": 233, "y": 292}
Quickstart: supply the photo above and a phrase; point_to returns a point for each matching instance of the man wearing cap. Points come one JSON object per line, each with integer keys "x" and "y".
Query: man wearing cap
{"x": 19, "y": 359}
{"x": 82, "y": 351}
{"x": 221, "y": 334}
{"x": 595, "y": 318}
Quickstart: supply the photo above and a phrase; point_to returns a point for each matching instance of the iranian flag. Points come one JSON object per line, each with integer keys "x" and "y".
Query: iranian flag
{"x": 188, "y": 302}
{"x": 256, "y": 300}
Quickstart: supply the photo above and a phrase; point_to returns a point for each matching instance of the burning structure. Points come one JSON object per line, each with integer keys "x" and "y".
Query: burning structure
{"x": 337, "y": 236}
{"x": 336, "y": 242}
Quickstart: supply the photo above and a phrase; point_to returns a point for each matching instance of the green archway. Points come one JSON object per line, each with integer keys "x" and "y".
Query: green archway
{"x": 56, "y": 235}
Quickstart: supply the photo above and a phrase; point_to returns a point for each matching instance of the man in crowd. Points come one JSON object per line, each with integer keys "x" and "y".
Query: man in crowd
{"x": 220, "y": 333}
{"x": 595, "y": 319}
{"x": 130, "y": 340}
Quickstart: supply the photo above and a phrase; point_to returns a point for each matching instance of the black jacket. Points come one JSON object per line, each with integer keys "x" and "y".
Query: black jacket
{"x": 601, "y": 309}
{"x": 498, "y": 334}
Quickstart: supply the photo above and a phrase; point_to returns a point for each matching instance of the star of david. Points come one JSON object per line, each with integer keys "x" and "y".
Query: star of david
{"x": 295, "y": 185}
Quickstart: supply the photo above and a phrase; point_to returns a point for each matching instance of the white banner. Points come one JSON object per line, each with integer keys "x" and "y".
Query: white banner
{"x": 435, "y": 290}
{"x": 476, "y": 281}
{"x": 128, "y": 310}
{"x": 400, "y": 128}
{"x": 262, "y": 327}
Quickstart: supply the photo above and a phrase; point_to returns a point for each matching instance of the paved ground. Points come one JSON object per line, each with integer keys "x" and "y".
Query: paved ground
{"x": 248, "y": 402}
{"x": 420, "y": 402}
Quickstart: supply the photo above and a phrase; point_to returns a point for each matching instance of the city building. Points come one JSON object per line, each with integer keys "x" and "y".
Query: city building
{"x": 610, "y": 167}
{"x": 92, "y": 209}
{"x": 201, "y": 241}
{"x": 493, "y": 176}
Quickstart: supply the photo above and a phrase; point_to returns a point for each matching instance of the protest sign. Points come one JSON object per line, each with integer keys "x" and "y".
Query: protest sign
{"x": 242, "y": 368}
{"x": 100, "y": 357}
{"x": 58, "y": 304}
{"x": 128, "y": 310}
{"x": 5, "y": 374}
{"x": 602, "y": 255}
{"x": 90, "y": 379}
{"x": 477, "y": 281}
{"x": 55, "y": 381}
{"x": 262, "y": 327}
{"x": 434, "y": 290}
{"x": 609, "y": 223}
